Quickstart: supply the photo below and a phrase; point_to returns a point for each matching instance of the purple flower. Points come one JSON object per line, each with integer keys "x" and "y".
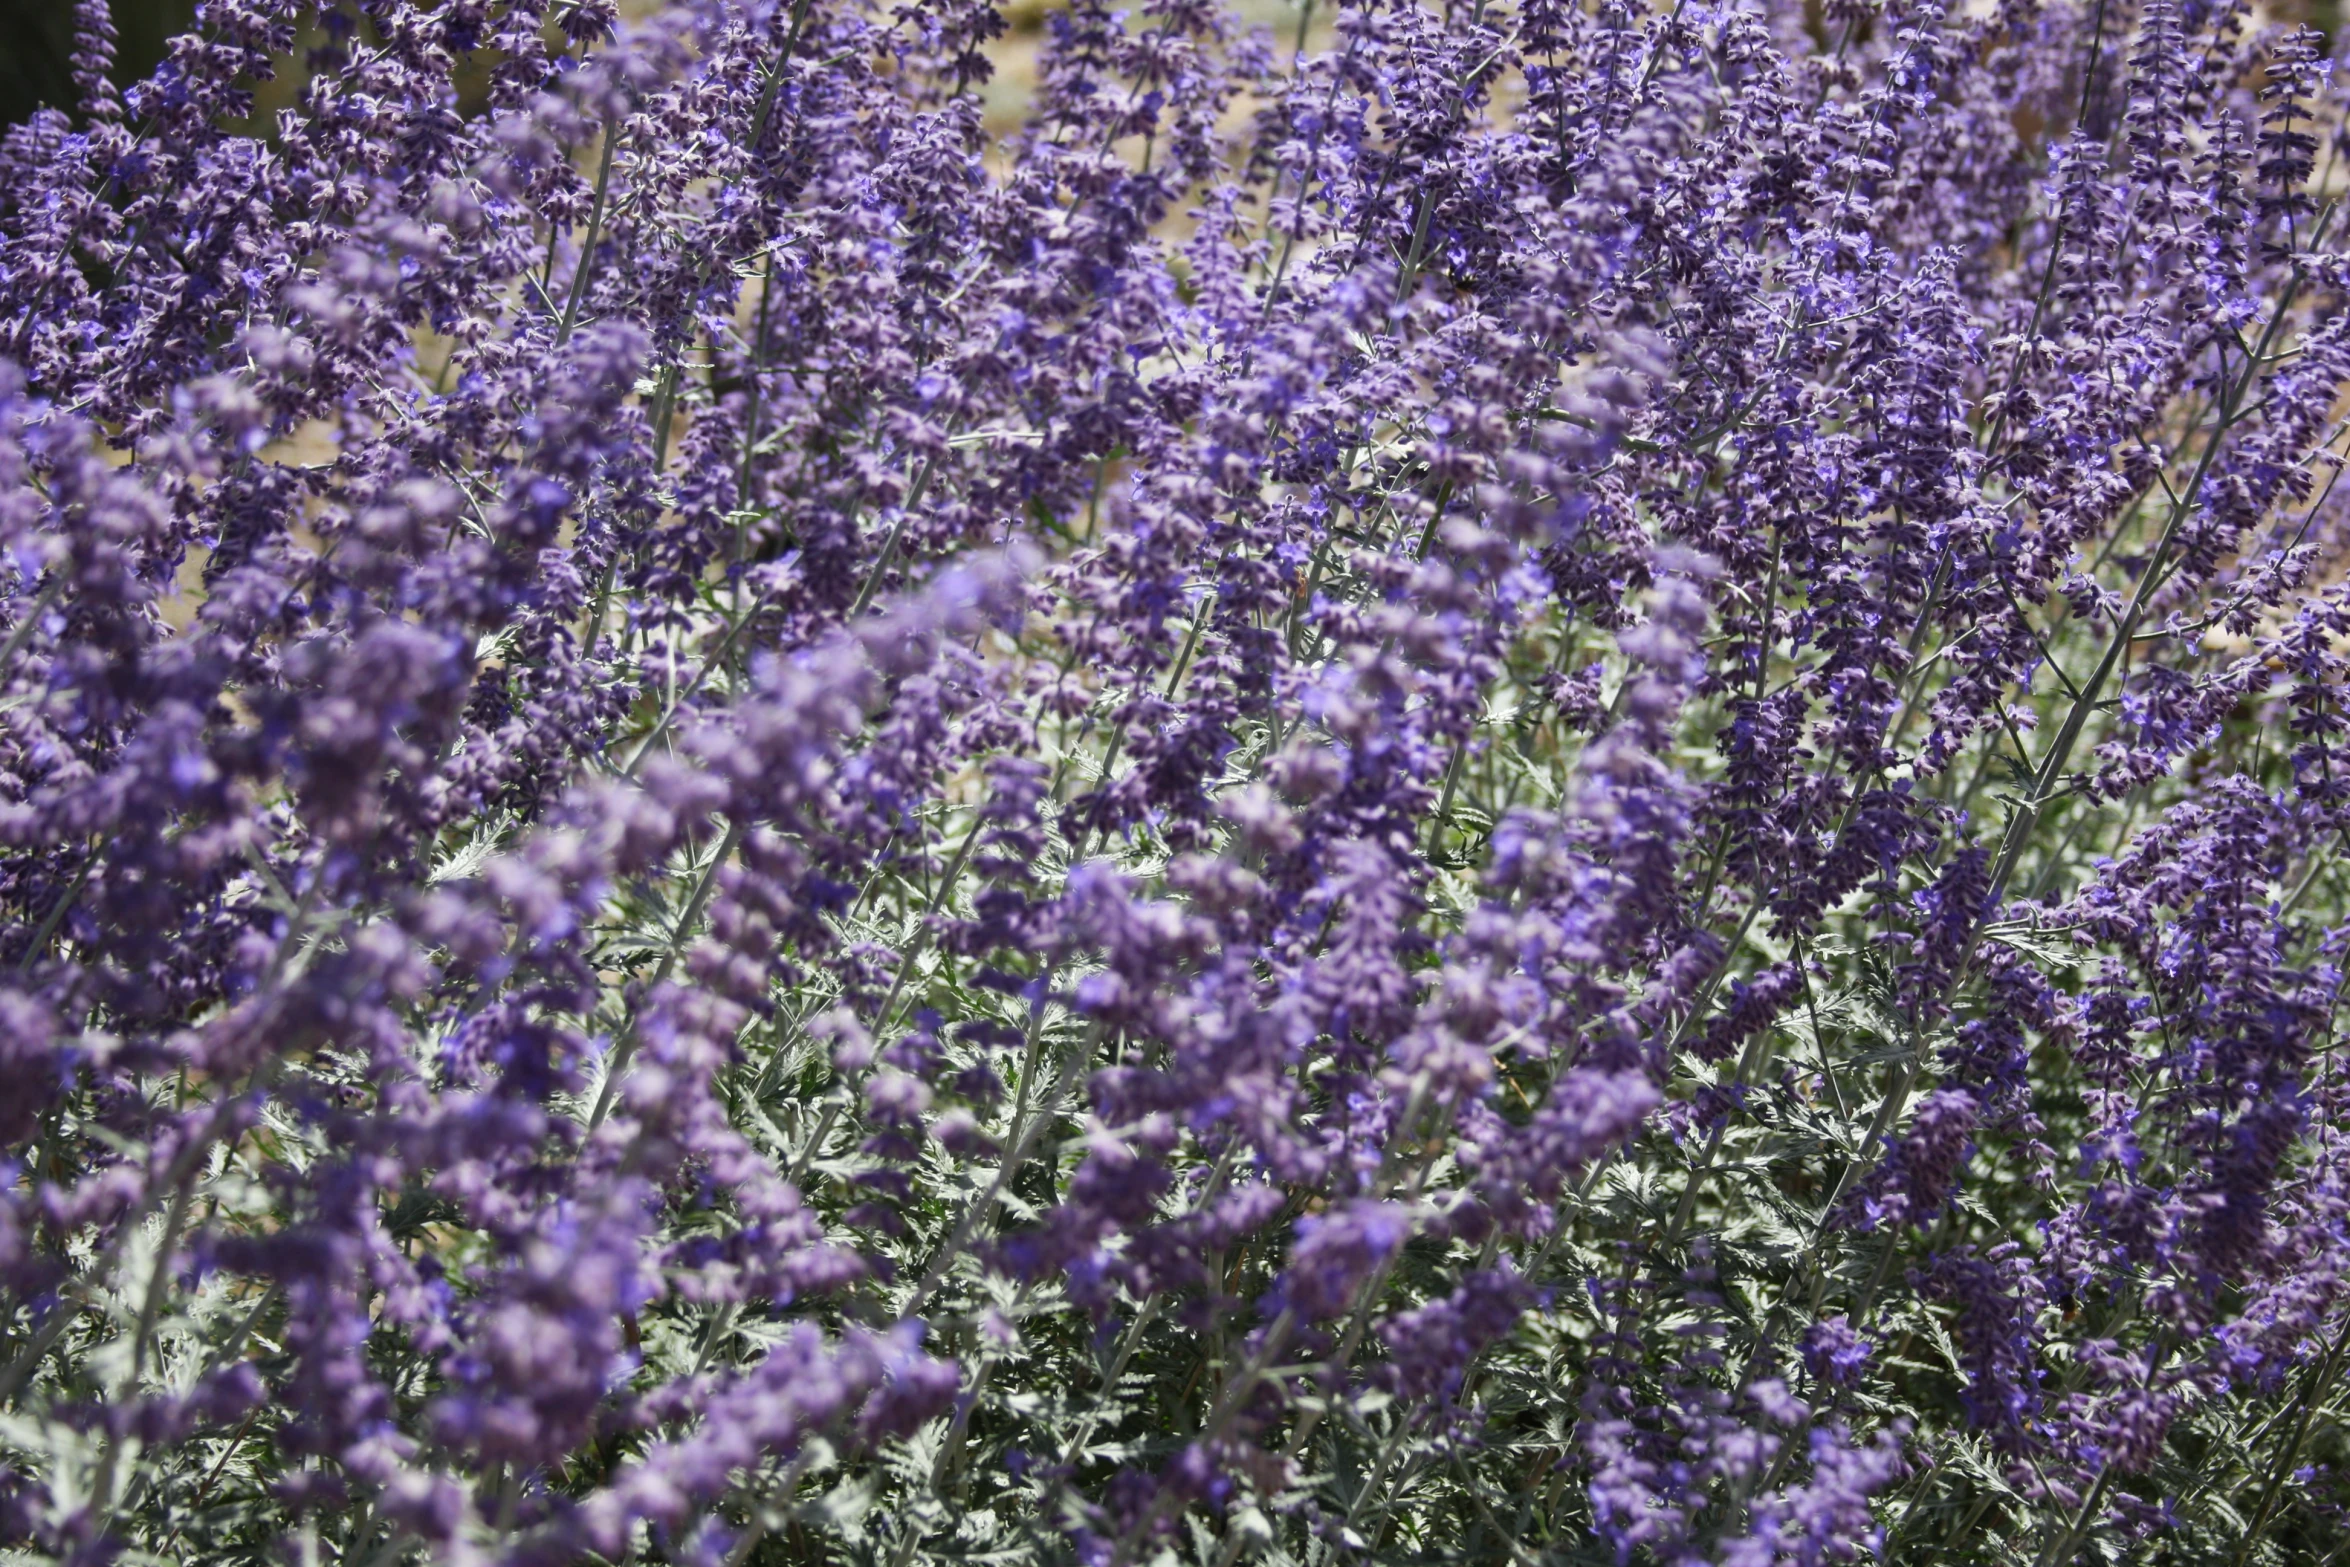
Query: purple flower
{"x": 1336, "y": 1255}
{"x": 1834, "y": 1353}
{"x": 901, "y": 780}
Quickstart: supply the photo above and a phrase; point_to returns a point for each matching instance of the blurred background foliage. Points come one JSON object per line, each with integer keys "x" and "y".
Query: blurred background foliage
{"x": 36, "y": 44}
{"x": 36, "y": 48}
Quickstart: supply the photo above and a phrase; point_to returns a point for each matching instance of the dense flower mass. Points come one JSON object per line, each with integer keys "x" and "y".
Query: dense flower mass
{"x": 1527, "y": 781}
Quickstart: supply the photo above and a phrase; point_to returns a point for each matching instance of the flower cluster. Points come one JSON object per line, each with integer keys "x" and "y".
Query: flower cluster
{"x": 1489, "y": 781}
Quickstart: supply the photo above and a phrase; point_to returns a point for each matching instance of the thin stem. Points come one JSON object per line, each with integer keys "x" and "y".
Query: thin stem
{"x": 625, "y": 1049}
{"x": 595, "y": 227}
{"x": 2320, "y": 1379}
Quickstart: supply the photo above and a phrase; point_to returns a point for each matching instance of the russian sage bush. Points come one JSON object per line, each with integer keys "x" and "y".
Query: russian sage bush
{"x": 1497, "y": 783}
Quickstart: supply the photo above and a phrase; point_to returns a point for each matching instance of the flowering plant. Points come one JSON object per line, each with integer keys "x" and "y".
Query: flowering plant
{"x": 1494, "y": 781}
